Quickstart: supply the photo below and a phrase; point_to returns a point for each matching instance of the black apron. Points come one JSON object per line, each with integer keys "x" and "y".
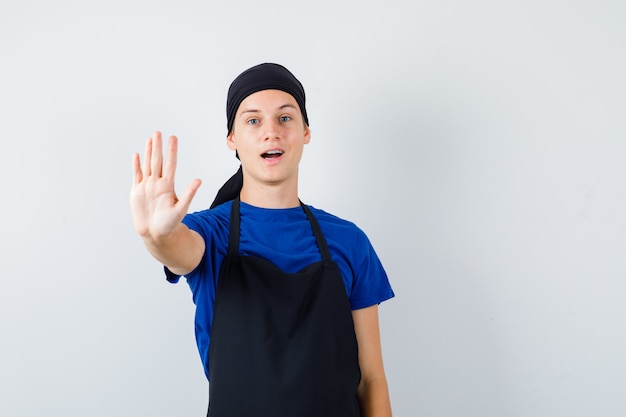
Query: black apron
{"x": 282, "y": 344}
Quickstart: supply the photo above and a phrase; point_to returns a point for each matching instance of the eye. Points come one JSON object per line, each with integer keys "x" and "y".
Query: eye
{"x": 252, "y": 121}
{"x": 285, "y": 118}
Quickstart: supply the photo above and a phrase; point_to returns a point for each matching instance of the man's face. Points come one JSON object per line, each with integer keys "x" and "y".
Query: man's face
{"x": 269, "y": 135}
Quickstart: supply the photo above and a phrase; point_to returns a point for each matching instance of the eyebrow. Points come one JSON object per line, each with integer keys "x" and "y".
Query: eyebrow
{"x": 258, "y": 111}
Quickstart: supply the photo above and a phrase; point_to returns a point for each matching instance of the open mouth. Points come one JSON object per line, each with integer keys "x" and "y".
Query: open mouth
{"x": 272, "y": 154}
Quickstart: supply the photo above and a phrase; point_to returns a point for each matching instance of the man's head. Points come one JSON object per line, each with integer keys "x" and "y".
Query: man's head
{"x": 256, "y": 89}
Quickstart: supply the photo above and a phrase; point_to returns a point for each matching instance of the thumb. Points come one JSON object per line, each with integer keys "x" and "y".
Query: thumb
{"x": 190, "y": 191}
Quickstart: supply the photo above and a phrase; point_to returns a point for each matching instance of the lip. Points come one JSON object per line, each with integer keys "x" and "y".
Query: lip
{"x": 272, "y": 150}
{"x": 275, "y": 159}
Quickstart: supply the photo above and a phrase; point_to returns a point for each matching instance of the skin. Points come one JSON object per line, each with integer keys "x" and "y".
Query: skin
{"x": 265, "y": 121}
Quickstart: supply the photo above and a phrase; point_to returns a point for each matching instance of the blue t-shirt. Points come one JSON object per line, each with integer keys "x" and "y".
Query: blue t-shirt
{"x": 284, "y": 237}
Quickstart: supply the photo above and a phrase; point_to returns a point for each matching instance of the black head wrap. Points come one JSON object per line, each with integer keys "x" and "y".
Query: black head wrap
{"x": 263, "y": 77}
{"x": 260, "y": 77}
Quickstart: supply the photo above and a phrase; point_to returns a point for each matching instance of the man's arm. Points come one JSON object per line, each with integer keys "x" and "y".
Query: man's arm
{"x": 373, "y": 391}
{"x": 157, "y": 212}
{"x": 181, "y": 251}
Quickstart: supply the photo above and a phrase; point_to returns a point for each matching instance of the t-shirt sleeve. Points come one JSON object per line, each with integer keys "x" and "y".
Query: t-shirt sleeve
{"x": 370, "y": 283}
{"x": 170, "y": 276}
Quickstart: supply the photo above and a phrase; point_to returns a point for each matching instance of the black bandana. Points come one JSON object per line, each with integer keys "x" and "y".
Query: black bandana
{"x": 258, "y": 78}
{"x": 263, "y": 77}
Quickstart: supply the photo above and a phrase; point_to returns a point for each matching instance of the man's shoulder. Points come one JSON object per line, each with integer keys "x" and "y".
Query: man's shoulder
{"x": 322, "y": 214}
{"x": 337, "y": 224}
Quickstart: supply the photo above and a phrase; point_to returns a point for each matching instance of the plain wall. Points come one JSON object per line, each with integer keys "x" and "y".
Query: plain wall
{"x": 481, "y": 145}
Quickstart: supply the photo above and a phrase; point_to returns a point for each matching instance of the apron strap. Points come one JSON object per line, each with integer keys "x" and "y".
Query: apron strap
{"x": 317, "y": 231}
{"x": 233, "y": 238}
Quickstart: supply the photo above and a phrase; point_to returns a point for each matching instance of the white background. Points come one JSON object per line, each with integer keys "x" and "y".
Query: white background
{"x": 481, "y": 145}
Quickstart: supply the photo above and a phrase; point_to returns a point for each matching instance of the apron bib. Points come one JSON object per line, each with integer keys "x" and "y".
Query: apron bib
{"x": 282, "y": 344}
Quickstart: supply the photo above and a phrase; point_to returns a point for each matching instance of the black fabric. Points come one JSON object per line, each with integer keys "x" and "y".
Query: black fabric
{"x": 282, "y": 344}
{"x": 230, "y": 189}
{"x": 263, "y": 77}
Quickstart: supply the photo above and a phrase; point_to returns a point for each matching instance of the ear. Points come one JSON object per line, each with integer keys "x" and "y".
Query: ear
{"x": 230, "y": 141}
{"x": 307, "y": 134}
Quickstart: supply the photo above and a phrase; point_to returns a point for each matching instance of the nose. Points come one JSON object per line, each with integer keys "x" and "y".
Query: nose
{"x": 272, "y": 130}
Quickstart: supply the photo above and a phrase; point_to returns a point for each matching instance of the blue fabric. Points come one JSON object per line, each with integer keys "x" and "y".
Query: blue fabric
{"x": 285, "y": 237}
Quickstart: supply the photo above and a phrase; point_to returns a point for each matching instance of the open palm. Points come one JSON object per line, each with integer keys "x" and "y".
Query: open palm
{"x": 156, "y": 209}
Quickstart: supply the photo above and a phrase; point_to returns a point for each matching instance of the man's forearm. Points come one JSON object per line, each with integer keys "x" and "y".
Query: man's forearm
{"x": 181, "y": 250}
{"x": 374, "y": 397}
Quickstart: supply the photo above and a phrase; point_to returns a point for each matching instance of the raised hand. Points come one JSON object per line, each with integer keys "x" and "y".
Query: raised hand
{"x": 156, "y": 209}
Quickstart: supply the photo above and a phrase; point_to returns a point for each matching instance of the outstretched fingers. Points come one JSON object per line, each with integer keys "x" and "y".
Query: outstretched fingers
{"x": 147, "y": 158}
{"x": 156, "y": 162}
{"x": 172, "y": 158}
{"x": 137, "y": 174}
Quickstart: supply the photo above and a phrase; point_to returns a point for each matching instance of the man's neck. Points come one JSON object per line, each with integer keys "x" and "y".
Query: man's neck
{"x": 270, "y": 196}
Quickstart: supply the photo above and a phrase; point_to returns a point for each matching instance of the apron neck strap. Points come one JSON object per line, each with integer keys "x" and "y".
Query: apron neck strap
{"x": 317, "y": 231}
{"x": 233, "y": 235}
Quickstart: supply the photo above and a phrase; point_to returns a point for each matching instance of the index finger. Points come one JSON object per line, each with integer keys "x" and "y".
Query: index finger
{"x": 172, "y": 158}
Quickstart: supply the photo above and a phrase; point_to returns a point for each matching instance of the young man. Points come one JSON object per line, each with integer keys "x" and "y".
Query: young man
{"x": 286, "y": 294}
